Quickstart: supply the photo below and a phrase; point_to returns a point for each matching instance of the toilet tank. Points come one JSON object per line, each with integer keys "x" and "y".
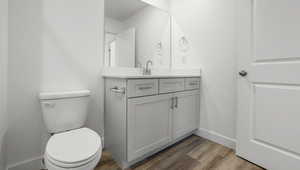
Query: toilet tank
{"x": 63, "y": 111}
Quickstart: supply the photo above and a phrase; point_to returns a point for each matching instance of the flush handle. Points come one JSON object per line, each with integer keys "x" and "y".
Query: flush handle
{"x": 49, "y": 104}
{"x": 118, "y": 90}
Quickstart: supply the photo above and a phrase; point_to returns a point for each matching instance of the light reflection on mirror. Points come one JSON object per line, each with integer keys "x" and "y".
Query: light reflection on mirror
{"x": 136, "y": 32}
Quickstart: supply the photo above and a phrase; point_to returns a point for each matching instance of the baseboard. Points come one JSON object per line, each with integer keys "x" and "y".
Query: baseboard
{"x": 216, "y": 137}
{"x": 31, "y": 164}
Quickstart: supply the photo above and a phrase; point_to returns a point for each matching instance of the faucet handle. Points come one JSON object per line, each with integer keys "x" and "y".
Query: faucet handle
{"x": 148, "y": 70}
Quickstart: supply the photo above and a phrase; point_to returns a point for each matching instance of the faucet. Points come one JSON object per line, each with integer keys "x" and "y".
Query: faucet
{"x": 147, "y": 70}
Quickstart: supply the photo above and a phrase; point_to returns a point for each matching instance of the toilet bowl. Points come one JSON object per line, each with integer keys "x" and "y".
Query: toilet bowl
{"x": 78, "y": 149}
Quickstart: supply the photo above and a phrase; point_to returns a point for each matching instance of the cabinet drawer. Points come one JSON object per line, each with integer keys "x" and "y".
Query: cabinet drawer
{"x": 143, "y": 87}
{"x": 192, "y": 83}
{"x": 171, "y": 85}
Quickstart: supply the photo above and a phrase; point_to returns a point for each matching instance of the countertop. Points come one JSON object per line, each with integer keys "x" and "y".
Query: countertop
{"x": 135, "y": 73}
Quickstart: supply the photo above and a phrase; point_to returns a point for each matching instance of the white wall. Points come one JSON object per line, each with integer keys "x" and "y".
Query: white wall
{"x": 54, "y": 45}
{"x": 3, "y": 67}
{"x": 210, "y": 28}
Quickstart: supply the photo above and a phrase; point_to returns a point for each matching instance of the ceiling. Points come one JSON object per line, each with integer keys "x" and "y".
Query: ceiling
{"x": 122, "y": 9}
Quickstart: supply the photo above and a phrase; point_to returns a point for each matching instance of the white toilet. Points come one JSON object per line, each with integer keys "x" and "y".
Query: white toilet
{"x": 72, "y": 146}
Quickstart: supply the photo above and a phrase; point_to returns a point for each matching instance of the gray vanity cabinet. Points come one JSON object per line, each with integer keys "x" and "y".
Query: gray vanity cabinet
{"x": 143, "y": 116}
{"x": 149, "y": 124}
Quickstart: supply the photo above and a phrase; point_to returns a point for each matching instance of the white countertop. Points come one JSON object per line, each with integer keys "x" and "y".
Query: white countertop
{"x": 136, "y": 73}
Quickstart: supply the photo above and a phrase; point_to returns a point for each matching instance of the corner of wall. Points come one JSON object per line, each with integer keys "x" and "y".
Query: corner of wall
{"x": 3, "y": 80}
{"x": 216, "y": 137}
{"x": 162, "y": 4}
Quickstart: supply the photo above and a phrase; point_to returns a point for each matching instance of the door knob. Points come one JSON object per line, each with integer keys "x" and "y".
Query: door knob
{"x": 243, "y": 73}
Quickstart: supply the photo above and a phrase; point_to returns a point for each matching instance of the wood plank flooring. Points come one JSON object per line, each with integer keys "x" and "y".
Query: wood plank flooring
{"x": 193, "y": 153}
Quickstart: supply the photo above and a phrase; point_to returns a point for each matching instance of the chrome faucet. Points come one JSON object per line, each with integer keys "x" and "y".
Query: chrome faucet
{"x": 147, "y": 70}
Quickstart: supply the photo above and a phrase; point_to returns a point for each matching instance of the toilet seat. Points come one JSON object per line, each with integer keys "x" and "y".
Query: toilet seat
{"x": 92, "y": 160}
{"x": 73, "y": 148}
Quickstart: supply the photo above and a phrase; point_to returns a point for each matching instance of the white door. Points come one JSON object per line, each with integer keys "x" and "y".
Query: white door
{"x": 149, "y": 124}
{"x": 268, "y": 122}
{"x": 125, "y": 49}
{"x": 185, "y": 113}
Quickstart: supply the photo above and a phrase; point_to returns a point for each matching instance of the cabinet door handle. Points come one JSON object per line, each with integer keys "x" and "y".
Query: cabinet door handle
{"x": 176, "y": 103}
{"x": 172, "y": 103}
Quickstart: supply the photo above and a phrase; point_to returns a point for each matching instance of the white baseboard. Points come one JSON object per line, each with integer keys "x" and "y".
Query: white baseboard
{"x": 216, "y": 137}
{"x": 31, "y": 164}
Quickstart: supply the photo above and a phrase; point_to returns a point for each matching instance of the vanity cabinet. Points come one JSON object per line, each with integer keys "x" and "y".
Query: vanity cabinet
{"x": 149, "y": 124}
{"x": 143, "y": 116}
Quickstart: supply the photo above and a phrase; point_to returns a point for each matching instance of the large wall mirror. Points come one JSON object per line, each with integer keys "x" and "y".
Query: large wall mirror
{"x": 136, "y": 31}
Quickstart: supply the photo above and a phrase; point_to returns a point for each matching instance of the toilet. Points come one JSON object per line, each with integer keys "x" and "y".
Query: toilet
{"x": 71, "y": 146}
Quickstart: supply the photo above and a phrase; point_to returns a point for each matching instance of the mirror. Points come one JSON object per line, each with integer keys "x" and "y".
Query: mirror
{"x": 135, "y": 32}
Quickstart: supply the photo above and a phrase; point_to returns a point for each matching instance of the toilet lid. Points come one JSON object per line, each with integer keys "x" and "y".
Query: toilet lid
{"x": 73, "y": 146}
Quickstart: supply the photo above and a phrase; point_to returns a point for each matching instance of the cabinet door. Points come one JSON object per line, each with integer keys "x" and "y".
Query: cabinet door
{"x": 149, "y": 124}
{"x": 186, "y": 113}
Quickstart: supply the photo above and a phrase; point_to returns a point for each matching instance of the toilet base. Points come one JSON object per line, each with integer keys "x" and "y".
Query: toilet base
{"x": 89, "y": 166}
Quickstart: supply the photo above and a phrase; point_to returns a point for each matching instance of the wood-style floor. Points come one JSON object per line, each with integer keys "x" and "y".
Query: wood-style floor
{"x": 193, "y": 153}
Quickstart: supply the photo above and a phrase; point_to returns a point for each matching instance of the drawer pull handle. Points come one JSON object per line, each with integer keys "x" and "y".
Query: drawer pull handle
{"x": 145, "y": 88}
{"x": 118, "y": 90}
{"x": 168, "y": 83}
{"x": 193, "y": 84}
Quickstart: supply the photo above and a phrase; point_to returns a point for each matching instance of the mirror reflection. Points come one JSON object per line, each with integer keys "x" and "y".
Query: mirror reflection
{"x": 136, "y": 32}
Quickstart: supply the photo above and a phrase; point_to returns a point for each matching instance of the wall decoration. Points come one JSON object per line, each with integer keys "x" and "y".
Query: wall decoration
{"x": 183, "y": 47}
